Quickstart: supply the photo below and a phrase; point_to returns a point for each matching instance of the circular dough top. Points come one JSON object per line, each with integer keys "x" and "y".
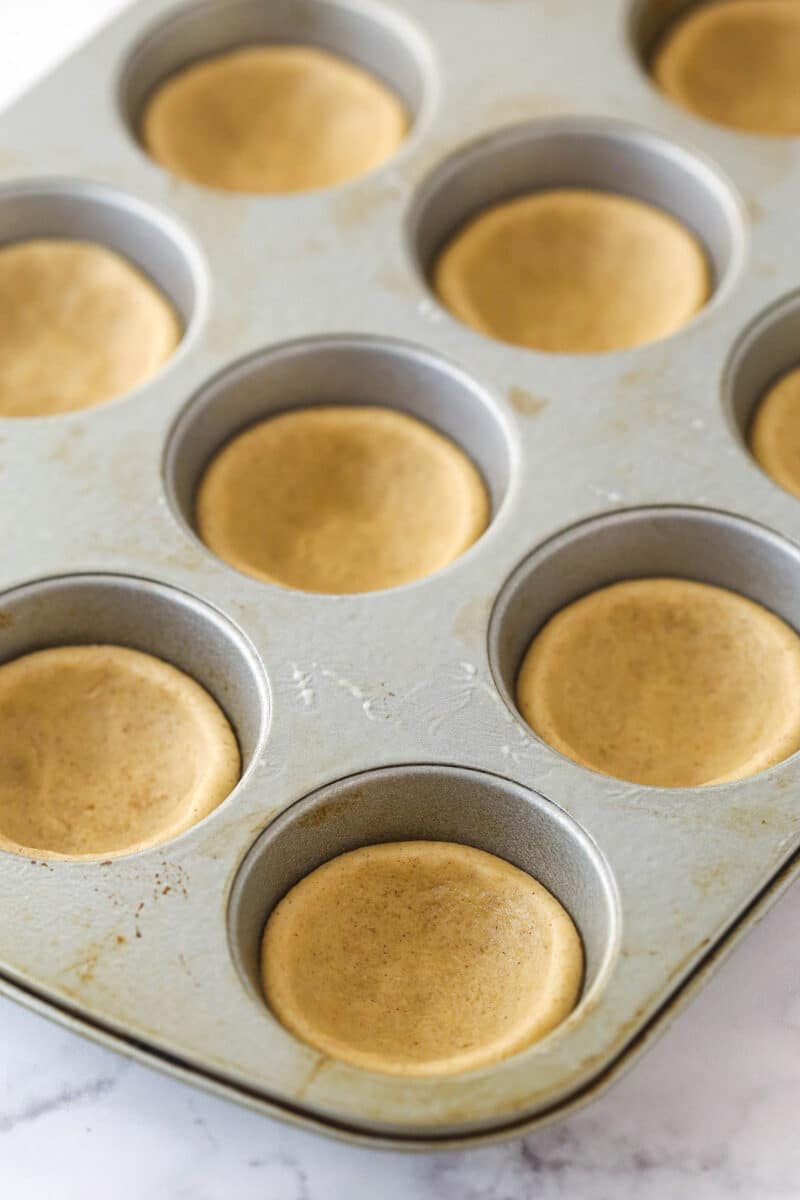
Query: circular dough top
{"x": 736, "y": 63}
{"x": 105, "y": 750}
{"x": 78, "y": 325}
{"x": 775, "y": 432}
{"x": 573, "y": 271}
{"x": 273, "y": 119}
{"x": 665, "y": 682}
{"x": 420, "y": 958}
{"x": 341, "y": 499}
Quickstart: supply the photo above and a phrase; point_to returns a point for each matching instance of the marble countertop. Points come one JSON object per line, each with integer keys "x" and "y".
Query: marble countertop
{"x": 710, "y": 1113}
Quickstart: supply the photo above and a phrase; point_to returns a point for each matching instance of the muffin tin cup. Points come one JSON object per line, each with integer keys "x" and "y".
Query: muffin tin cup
{"x": 374, "y": 37}
{"x": 768, "y": 349}
{"x": 580, "y": 152}
{"x": 391, "y": 714}
{"x": 650, "y": 20}
{"x": 117, "y": 610}
{"x": 661, "y": 541}
{"x": 153, "y": 241}
{"x": 428, "y": 803}
{"x": 330, "y": 371}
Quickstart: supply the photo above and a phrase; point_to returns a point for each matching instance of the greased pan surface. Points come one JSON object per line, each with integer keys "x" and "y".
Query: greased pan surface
{"x": 391, "y": 715}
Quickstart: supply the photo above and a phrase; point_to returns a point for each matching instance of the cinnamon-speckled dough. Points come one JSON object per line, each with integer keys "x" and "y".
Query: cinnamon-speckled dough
{"x": 106, "y": 750}
{"x": 273, "y": 119}
{"x": 420, "y": 958}
{"x": 737, "y": 63}
{"x": 665, "y": 682}
{"x": 341, "y": 499}
{"x": 79, "y": 325}
{"x": 775, "y": 432}
{"x": 573, "y": 271}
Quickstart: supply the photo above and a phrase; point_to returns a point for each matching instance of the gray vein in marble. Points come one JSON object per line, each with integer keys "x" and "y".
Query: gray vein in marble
{"x": 67, "y": 1097}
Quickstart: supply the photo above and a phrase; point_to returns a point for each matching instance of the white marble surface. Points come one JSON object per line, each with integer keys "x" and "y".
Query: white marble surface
{"x": 711, "y": 1113}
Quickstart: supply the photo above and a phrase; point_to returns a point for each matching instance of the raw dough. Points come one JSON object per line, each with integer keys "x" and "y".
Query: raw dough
{"x": 736, "y": 63}
{"x": 775, "y": 432}
{"x": 273, "y": 119}
{"x": 79, "y": 325}
{"x": 573, "y": 271}
{"x": 420, "y": 958}
{"x": 105, "y": 750}
{"x": 341, "y": 499}
{"x": 665, "y": 682}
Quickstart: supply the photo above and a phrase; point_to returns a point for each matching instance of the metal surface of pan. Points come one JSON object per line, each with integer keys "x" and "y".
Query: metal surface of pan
{"x": 371, "y": 717}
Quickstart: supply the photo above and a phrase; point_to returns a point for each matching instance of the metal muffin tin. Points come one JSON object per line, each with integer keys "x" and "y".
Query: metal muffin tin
{"x": 391, "y": 715}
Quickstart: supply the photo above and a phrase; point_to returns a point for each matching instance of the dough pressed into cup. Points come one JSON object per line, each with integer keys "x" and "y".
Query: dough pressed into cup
{"x": 665, "y": 682}
{"x": 341, "y": 499}
{"x": 106, "y": 750}
{"x": 420, "y": 958}
{"x": 273, "y": 119}
{"x": 735, "y": 62}
{"x": 574, "y": 271}
{"x": 775, "y": 432}
{"x": 79, "y": 325}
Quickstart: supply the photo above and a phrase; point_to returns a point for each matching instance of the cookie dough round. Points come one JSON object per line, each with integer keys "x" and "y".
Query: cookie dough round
{"x": 106, "y": 750}
{"x": 79, "y": 325}
{"x": 273, "y": 119}
{"x": 737, "y": 63}
{"x": 341, "y": 499}
{"x": 420, "y": 958}
{"x": 573, "y": 271}
{"x": 665, "y": 682}
{"x": 775, "y": 432}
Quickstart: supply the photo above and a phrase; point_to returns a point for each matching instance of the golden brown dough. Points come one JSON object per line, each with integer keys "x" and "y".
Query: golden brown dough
{"x": 273, "y": 119}
{"x": 665, "y": 682}
{"x": 573, "y": 271}
{"x": 105, "y": 750}
{"x": 736, "y": 63}
{"x": 420, "y": 958}
{"x": 775, "y": 432}
{"x": 341, "y": 499}
{"x": 78, "y": 325}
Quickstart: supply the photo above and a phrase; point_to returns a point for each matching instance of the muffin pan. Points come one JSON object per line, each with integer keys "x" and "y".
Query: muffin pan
{"x": 391, "y": 715}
